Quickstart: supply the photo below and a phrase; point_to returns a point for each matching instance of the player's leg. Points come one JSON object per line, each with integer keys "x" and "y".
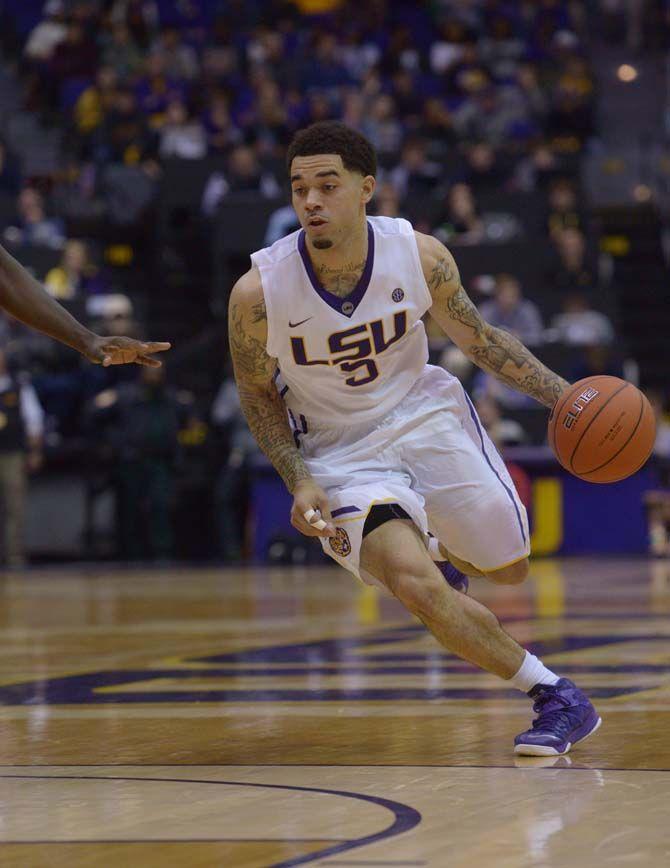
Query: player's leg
{"x": 395, "y": 554}
{"x": 471, "y": 502}
{"x": 458, "y": 572}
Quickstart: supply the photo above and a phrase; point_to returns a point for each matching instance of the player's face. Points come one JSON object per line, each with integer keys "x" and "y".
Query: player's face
{"x": 328, "y": 199}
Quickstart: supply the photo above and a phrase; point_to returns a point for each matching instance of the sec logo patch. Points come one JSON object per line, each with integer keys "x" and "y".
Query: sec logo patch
{"x": 398, "y": 294}
{"x": 340, "y": 543}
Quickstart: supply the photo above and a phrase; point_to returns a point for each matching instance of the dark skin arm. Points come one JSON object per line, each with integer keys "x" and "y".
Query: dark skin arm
{"x": 492, "y": 349}
{"x": 26, "y": 300}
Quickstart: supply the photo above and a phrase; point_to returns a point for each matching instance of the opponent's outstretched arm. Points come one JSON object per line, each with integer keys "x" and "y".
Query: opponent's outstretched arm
{"x": 492, "y": 349}
{"x": 26, "y": 300}
{"x": 262, "y": 405}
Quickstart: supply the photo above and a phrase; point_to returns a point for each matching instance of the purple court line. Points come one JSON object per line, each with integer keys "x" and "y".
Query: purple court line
{"x": 405, "y": 817}
{"x": 370, "y": 765}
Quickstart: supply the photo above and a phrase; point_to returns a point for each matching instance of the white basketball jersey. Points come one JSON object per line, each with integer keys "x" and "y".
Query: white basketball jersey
{"x": 346, "y": 360}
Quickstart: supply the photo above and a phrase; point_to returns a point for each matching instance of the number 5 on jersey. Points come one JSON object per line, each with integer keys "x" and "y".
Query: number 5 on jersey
{"x": 355, "y": 349}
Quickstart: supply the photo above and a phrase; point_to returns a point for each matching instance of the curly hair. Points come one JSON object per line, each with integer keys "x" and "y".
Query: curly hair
{"x": 334, "y": 137}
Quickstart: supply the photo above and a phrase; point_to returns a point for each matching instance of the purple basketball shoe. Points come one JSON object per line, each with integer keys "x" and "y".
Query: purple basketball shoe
{"x": 564, "y": 717}
{"x": 458, "y": 580}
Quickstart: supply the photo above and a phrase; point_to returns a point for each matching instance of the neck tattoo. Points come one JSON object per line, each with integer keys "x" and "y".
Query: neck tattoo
{"x": 342, "y": 280}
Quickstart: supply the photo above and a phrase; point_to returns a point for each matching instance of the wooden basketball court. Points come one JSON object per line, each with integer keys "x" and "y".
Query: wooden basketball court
{"x": 269, "y": 717}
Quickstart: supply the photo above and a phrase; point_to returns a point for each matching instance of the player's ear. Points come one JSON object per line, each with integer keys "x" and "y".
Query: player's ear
{"x": 368, "y": 188}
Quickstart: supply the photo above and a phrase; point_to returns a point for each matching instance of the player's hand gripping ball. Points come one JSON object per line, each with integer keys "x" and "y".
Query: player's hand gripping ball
{"x": 602, "y": 429}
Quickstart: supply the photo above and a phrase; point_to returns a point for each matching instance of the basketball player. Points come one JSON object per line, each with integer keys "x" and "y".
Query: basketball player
{"x": 384, "y": 454}
{"x": 26, "y": 300}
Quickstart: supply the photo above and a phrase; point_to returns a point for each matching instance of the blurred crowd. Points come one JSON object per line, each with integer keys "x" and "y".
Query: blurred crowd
{"x": 469, "y": 104}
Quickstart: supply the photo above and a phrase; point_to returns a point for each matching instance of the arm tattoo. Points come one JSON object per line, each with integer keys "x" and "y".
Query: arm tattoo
{"x": 263, "y": 408}
{"x": 499, "y": 352}
{"x": 441, "y": 273}
{"x": 259, "y": 312}
{"x": 462, "y": 309}
{"x": 512, "y": 363}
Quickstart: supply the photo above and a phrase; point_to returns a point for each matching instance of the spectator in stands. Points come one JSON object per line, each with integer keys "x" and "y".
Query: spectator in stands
{"x": 124, "y": 136}
{"x": 121, "y": 53}
{"x": 244, "y": 175}
{"x": 324, "y": 69}
{"x": 387, "y": 201}
{"x": 129, "y": 191}
{"x": 10, "y": 171}
{"x": 407, "y": 98}
{"x": 507, "y": 397}
{"x": 564, "y": 211}
{"x": 571, "y": 112}
{"x": 141, "y": 18}
{"x": 48, "y": 33}
{"x": 415, "y": 174}
{"x": 182, "y": 135}
{"x": 76, "y": 197}
{"x": 461, "y": 223}
{"x": 34, "y": 227}
{"x": 536, "y": 170}
{"x": 484, "y": 169}
{"x": 436, "y": 127}
{"x": 573, "y": 272}
{"x": 658, "y": 405}
{"x": 232, "y": 488}
{"x": 657, "y": 501}
{"x": 281, "y": 222}
{"x": 489, "y": 115}
{"x": 595, "y": 360}
{"x": 580, "y": 325}
{"x": 531, "y": 91}
{"x": 468, "y": 75}
{"x": 181, "y": 60}
{"x": 96, "y": 101}
{"x": 155, "y": 89}
{"x": 509, "y": 310}
{"x": 145, "y": 421}
{"x": 76, "y": 56}
{"x": 501, "y": 48}
{"x": 272, "y": 126}
{"x": 21, "y": 438}
{"x": 75, "y": 276}
{"x": 222, "y": 135}
{"x": 503, "y": 432}
{"x": 382, "y": 127}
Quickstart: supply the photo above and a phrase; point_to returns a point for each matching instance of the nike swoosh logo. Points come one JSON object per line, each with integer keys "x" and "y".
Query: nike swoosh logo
{"x": 293, "y": 325}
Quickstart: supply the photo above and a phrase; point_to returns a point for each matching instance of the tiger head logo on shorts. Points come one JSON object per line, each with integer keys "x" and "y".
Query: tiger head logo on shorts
{"x": 340, "y": 543}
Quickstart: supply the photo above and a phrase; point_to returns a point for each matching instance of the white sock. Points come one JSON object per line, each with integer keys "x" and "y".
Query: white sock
{"x": 531, "y": 672}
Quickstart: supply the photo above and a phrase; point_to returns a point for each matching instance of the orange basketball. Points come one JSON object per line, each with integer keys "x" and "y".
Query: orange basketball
{"x": 602, "y": 429}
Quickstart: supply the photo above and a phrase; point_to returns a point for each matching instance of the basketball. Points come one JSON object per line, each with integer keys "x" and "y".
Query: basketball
{"x": 602, "y": 429}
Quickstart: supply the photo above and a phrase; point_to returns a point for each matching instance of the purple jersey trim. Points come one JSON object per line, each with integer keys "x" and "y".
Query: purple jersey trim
{"x": 356, "y": 296}
{"x": 343, "y": 510}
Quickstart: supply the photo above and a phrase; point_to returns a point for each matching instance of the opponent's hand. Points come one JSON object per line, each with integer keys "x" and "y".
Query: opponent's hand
{"x": 307, "y": 496}
{"x": 107, "y": 351}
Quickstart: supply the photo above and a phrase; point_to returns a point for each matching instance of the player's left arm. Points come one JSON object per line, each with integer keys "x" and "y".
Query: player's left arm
{"x": 492, "y": 349}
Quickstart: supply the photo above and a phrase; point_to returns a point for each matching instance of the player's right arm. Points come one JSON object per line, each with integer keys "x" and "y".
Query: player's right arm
{"x": 27, "y": 300}
{"x": 262, "y": 405}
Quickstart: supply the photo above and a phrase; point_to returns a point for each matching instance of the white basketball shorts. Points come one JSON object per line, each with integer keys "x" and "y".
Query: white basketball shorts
{"x": 430, "y": 455}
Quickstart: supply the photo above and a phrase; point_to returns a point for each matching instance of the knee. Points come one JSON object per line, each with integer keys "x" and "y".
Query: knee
{"x": 420, "y": 590}
{"x": 514, "y": 574}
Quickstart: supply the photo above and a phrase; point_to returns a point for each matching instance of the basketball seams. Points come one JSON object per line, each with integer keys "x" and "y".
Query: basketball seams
{"x": 631, "y": 472}
{"x": 591, "y": 421}
{"x": 621, "y": 448}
